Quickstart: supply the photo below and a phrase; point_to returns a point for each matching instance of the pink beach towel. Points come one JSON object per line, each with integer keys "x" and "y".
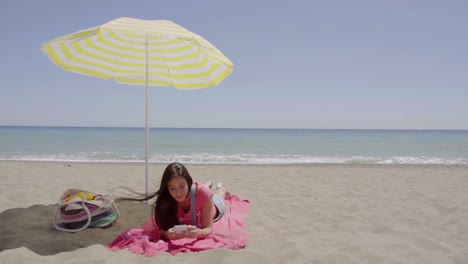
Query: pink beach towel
{"x": 228, "y": 232}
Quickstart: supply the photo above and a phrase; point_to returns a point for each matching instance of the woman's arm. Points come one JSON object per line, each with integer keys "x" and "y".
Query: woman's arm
{"x": 206, "y": 221}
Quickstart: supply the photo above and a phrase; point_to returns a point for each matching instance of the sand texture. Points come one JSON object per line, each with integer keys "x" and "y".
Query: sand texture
{"x": 298, "y": 214}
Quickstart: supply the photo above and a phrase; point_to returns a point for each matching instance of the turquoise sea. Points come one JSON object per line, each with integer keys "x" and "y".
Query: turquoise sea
{"x": 239, "y": 146}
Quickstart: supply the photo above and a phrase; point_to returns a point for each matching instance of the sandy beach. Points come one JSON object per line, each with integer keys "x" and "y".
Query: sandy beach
{"x": 298, "y": 214}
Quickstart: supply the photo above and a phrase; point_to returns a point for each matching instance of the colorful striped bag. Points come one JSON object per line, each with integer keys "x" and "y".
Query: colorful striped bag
{"x": 79, "y": 209}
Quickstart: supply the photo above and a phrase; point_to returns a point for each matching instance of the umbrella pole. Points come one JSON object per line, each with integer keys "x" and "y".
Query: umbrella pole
{"x": 146, "y": 122}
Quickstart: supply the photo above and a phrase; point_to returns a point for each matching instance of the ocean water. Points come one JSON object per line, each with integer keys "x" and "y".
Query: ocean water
{"x": 239, "y": 146}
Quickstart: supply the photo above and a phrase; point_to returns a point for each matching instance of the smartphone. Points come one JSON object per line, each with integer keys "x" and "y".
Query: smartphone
{"x": 180, "y": 228}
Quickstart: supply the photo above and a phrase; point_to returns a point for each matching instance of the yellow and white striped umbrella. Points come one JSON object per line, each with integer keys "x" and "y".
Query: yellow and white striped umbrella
{"x": 141, "y": 52}
{"x": 123, "y": 48}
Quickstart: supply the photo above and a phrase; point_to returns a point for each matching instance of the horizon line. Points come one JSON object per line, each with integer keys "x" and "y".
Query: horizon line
{"x": 252, "y": 128}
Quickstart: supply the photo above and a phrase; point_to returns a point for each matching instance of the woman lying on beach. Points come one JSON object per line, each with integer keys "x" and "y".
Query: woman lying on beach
{"x": 174, "y": 211}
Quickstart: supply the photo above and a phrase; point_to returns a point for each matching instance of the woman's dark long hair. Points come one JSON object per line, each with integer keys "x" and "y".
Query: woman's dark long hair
{"x": 165, "y": 209}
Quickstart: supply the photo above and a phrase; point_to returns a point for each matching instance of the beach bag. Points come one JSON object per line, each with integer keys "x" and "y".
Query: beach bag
{"x": 79, "y": 209}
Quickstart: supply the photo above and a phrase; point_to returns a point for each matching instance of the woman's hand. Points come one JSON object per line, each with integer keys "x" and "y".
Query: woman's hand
{"x": 191, "y": 232}
{"x": 173, "y": 235}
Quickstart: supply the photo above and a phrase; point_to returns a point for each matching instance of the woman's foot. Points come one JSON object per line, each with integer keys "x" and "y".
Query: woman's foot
{"x": 209, "y": 184}
{"x": 221, "y": 190}
{"x": 220, "y": 185}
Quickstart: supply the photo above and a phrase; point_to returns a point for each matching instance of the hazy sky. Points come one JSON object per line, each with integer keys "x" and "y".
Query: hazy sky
{"x": 297, "y": 64}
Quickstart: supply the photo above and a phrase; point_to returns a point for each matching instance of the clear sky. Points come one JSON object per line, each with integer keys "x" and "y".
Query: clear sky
{"x": 297, "y": 64}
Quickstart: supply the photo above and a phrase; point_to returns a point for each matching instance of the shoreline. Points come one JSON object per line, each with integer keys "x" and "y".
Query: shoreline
{"x": 137, "y": 163}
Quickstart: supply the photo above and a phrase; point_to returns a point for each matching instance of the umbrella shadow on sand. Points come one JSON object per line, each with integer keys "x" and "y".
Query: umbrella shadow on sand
{"x": 32, "y": 228}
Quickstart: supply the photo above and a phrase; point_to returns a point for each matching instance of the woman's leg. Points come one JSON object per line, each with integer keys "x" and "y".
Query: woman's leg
{"x": 220, "y": 190}
{"x": 219, "y": 193}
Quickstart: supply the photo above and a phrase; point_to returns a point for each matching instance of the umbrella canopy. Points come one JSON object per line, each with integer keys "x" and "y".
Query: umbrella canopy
{"x": 141, "y": 52}
{"x": 123, "y": 48}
